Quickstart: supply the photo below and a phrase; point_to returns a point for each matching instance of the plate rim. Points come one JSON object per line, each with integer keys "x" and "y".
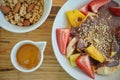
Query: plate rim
{"x": 56, "y": 54}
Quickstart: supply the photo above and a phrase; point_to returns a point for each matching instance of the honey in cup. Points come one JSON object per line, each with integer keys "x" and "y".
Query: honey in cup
{"x": 28, "y": 56}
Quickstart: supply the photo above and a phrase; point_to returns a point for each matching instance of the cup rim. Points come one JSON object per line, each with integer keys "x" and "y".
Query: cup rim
{"x": 14, "y": 52}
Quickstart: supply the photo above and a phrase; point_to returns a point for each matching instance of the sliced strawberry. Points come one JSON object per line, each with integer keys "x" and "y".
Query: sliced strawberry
{"x": 84, "y": 9}
{"x": 62, "y": 35}
{"x": 83, "y": 63}
{"x": 96, "y": 4}
{"x": 115, "y": 10}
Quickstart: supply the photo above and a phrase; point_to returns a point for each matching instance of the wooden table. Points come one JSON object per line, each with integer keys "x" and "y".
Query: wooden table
{"x": 50, "y": 69}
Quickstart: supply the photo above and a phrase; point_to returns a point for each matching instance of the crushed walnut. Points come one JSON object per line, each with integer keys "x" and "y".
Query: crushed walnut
{"x": 18, "y": 11}
{"x": 95, "y": 31}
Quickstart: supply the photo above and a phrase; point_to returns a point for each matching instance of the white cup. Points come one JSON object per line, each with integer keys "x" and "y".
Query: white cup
{"x": 40, "y": 45}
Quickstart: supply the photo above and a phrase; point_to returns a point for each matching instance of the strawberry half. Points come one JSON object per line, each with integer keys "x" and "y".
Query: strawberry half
{"x": 96, "y": 4}
{"x": 62, "y": 35}
{"x": 84, "y": 9}
{"x": 115, "y": 10}
{"x": 83, "y": 63}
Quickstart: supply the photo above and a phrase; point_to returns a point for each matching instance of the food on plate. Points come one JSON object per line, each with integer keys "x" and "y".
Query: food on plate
{"x": 80, "y": 45}
{"x": 71, "y": 46}
{"x": 18, "y": 11}
{"x": 84, "y": 64}
{"x": 112, "y": 54}
{"x": 107, "y": 70}
{"x": 117, "y": 33}
{"x": 75, "y": 17}
{"x": 115, "y": 10}
{"x": 62, "y": 39}
{"x": 95, "y": 41}
{"x": 73, "y": 57}
{"x": 84, "y": 9}
{"x": 94, "y": 53}
{"x": 96, "y": 4}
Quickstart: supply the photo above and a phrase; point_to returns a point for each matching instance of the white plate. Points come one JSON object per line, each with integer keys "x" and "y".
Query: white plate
{"x": 61, "y": 22}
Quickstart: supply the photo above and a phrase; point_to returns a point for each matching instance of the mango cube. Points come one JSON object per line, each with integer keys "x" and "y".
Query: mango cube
{"x": 75, "y": 17}
{"x": 94, "y": 53}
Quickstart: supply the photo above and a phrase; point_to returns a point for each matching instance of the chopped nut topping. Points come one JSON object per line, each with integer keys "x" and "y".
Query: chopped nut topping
{"x": 97, "y": 33}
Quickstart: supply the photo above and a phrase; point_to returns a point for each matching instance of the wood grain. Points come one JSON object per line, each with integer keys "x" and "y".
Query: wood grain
{"x": 50, "y": 69}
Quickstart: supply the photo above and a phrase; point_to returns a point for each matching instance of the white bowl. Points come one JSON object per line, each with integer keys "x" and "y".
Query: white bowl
{"x": 40, "y": 45}
{"x": 17, "y": 29}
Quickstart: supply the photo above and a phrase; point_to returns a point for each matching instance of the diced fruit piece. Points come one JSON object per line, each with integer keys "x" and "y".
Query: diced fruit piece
{"x": 115, "y": 11}
{"x": 80, "y": 45}
{"x": 70, "y": 38}
{"x": 4, "y": 9}
{"x": 94, "y": 53}
{"x": 68, "y": 26}
{"x": 73, "y": 57}
{"x": 107, "y": 70}
{"x": 91, "y": 14}
{"x": 84, "y": 9}
{"x": 112, "y": 54}
{"x": 62, "y": 35}
{"x": 83, "y": 63}
{"x": 75, "y": 17}
{"x": 71, "y": 46}
{"x": 103, "y": 70}
{"x": 96, "y": 4}
{"x": 93, "y": 69}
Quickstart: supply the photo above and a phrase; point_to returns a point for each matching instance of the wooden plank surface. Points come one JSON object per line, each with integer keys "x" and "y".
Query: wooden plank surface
{"x": 50, "y": 69}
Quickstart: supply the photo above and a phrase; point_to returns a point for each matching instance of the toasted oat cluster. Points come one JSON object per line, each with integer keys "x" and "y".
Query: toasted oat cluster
{"x": 22, "y": 12}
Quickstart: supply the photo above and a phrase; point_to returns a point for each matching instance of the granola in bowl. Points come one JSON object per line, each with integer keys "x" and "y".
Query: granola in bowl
{"x": 22, "y": 12}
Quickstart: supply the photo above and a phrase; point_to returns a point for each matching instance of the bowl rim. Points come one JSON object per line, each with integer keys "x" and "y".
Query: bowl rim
{"x": 18, "y": 29}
